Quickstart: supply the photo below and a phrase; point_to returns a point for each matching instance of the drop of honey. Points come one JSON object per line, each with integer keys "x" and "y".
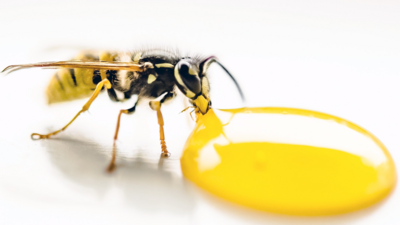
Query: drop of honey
{"x": 288, "y": 161}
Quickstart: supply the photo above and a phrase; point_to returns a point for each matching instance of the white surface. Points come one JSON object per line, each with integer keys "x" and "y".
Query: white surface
{"x": 337, "y": 57}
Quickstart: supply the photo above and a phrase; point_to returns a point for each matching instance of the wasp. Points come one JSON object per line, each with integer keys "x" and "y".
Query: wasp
{"x": 154, "y": 74}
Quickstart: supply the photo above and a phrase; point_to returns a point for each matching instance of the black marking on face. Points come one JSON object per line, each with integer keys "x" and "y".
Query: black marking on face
{"x": 191, "y": 81}
{"x": 96, "y": 77}
{"x": 202, "y": 68}
{"x": 72, "y": 73}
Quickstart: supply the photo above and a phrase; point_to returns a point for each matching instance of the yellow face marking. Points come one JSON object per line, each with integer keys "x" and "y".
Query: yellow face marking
{"x": 178, "y": 77}
{"x": 137, "y": 57}
{"x": 190, "y": 94}
{"x": 151, "y": 79}
{"x": 192, "y": 72}
{"x": 205, "y": 87}
{"x": 202, "y": 104}
{"x": 164, "y": 65}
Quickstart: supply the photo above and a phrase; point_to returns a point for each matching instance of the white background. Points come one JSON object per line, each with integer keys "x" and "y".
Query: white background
{"x": 338, "y": 57}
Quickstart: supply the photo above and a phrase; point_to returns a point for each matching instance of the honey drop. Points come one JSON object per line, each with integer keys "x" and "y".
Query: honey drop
{"x": 288, "y": 161}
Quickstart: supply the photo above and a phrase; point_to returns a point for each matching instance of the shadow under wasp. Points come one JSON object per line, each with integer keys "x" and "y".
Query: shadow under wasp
{"x": 153, "y": 74}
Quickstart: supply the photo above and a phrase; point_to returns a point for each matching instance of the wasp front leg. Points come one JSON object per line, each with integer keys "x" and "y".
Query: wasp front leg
{"x": 156, "y": 105}
{"x": 85, "y": 107}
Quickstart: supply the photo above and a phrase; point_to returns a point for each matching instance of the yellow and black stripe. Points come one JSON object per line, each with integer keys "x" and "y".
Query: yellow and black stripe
{"x": 72, "y": 84}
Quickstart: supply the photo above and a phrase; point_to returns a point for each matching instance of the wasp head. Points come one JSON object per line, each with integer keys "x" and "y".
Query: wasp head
{"x": 192, "y": 81}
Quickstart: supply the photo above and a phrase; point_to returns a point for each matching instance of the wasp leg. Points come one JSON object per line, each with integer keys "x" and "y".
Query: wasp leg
{"x": 111, "y": 166}
{"x": 156, "y": 105}
{"x": 96, "y": 92}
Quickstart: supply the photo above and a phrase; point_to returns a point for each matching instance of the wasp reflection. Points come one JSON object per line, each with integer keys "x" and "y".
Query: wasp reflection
{"x": 146, "y": 183}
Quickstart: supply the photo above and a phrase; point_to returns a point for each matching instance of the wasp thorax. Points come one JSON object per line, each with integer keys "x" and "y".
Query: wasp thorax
{"x": 187, "y": 77}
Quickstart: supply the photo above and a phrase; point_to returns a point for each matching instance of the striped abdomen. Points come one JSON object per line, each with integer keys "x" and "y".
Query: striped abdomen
{"x": 71, "y": 84}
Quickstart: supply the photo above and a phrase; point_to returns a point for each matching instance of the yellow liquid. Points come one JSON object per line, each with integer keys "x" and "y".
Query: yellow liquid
{"x": 288, "y": 161}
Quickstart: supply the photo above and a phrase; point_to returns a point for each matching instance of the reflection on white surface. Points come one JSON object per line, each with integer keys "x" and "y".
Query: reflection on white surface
{"x": 144, "y": 182}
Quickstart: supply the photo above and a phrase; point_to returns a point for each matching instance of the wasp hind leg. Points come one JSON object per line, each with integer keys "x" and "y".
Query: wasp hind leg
{"x": 111, "y": 166}
{"x": 156, "y": 105}
{"x": 85, "y": 107}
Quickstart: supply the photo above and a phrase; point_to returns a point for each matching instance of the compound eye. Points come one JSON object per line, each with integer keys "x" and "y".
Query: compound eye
{"x": 190, "y": 78}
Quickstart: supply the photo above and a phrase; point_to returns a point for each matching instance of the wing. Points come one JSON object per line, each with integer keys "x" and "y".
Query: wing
{"x": 131, "y": 66}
